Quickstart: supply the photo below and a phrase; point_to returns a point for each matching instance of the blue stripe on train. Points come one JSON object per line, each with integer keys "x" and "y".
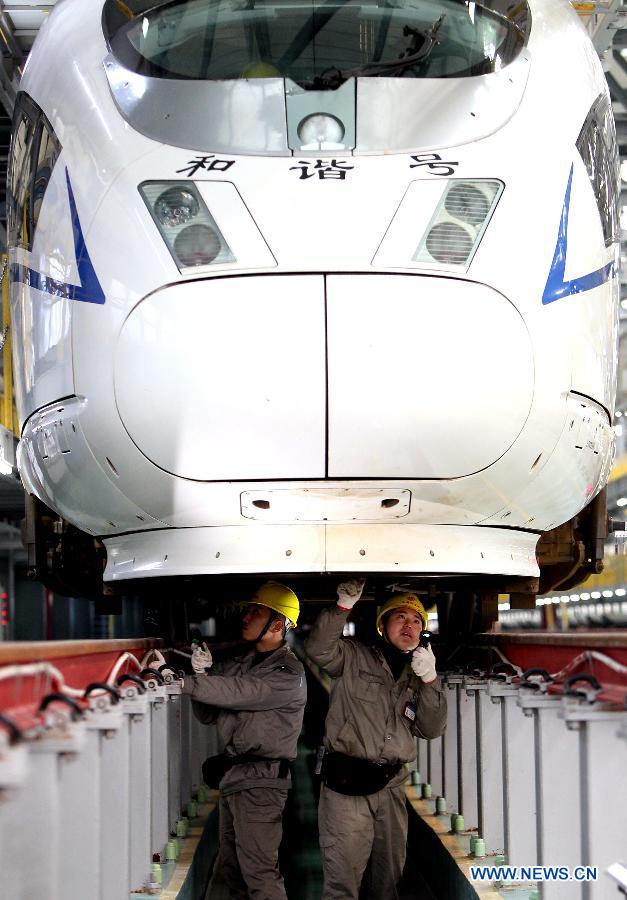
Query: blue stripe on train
{"x": 89, "y": 290}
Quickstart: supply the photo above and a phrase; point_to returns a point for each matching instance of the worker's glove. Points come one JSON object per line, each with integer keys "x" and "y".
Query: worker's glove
{"x": 201, "y": 659}
{"x": 349, "y": 592}
{"x": 423, "y": 664}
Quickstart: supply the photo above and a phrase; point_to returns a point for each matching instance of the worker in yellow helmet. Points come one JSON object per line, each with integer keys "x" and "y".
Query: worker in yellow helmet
{"x": 257, "y": 700}
{"x": 385, "y": 695}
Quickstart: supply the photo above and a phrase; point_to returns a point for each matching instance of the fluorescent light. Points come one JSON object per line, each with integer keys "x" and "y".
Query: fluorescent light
{"x": 596, "y": 595}
{"x": 620, "y": 592}
{"x": 622, "y": 501}
{"x": 585, "y": 596}
{"x": 608, "y": 594}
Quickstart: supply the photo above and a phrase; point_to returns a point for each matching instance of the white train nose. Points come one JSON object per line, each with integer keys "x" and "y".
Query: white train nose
{"x": 428, "y": 377}
{"x": 225, "y": 379}
{"x": 302, "y": 376}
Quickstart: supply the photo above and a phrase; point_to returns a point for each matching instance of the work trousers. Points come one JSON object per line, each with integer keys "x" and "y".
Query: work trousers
{"x": 250, "y": 834}
{"x": 355, "y": 830}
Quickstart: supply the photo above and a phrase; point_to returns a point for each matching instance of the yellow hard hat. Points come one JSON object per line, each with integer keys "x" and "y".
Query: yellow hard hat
{"x": 260, "y": 70}
{"x": 279, "y": 598}
{"x": 398, "y": 601}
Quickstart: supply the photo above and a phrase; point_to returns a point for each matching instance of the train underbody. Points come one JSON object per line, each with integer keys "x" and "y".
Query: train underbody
{"x": 71, "y": 562}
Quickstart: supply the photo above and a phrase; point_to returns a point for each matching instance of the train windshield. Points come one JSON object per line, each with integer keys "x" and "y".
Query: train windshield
{"x": 317, "y": 43}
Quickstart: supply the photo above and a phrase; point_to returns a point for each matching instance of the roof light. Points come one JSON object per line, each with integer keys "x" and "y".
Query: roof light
{"x": 321, "y": 131}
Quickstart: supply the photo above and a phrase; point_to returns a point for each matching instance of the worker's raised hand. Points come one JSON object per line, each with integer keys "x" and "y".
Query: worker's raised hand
{"x": 201, "y": 659}
{"x": 349, "y": 592}
{"x": 423, "y": 664}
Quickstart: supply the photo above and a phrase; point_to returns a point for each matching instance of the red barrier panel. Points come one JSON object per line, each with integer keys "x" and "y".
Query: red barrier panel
{"x": 600, "y": 654}
{"x": 59, "y": 665}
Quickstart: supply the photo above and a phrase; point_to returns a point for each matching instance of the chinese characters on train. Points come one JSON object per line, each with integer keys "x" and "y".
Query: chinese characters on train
{"x": 339, "y": 168}
{"x": 205, "y": 164}
{"x": 334, "y": 168}
{"x": 433, "y": 163}
{"x": 321, "y": 169}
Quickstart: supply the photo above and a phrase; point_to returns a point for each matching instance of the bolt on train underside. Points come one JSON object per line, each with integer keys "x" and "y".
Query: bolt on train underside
{"x": 310, "y": 288}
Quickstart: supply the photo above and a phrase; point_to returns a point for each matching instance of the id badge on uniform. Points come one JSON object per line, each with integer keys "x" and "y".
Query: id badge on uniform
{"x": 409, "y": 712}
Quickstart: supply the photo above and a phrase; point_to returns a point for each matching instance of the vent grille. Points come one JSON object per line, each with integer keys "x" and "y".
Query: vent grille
{"x": 448, "y": 243}
{"x": 459, "y": 222}
{"x": 467, "y": 203}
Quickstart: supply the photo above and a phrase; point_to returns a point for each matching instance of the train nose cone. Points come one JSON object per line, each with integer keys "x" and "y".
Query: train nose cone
{"x": 225, "y": 379}
{"x": 302, "y": 376}
{"x": 428, "y": 377}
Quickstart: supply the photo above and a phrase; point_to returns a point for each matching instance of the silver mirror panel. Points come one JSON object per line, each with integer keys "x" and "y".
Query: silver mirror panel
{"x": 239, "y": 116}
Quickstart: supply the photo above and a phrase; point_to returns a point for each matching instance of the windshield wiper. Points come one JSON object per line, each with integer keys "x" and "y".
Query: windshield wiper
{"x": 419, "y": 50}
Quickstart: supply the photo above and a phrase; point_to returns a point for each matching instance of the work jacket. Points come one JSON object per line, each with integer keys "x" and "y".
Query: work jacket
{"x": 372, "y": 716}
{"x": 258, "y": 710}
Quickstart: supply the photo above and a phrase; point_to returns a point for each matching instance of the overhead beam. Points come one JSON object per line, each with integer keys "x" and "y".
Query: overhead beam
{"x": 7, "y": 36}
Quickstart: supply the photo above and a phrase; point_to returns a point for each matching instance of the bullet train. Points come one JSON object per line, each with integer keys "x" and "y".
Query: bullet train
{"x": 308, "y": 288}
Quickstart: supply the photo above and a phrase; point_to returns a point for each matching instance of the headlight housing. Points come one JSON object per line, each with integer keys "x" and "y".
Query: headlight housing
{"x": 186, "y": 225}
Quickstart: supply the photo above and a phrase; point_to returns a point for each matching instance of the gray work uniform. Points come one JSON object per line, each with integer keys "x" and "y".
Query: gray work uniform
{"x": 258, "y": 710}
{"x": 371, "y": 716}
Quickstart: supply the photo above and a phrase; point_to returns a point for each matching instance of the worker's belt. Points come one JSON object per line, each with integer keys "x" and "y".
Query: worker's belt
{"x": 215, "y": 768}
{"x": 356, "y": 777}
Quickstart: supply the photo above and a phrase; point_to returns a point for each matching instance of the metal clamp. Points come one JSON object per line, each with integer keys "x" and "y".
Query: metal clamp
{"x": 77, "y": 711}
{"x": 589, "y": 695}
{"x": 102, "y": 686}
{"x": 15, "y": 734}
{"x": 535, "y": 685}
{"x": 135, "y": 679}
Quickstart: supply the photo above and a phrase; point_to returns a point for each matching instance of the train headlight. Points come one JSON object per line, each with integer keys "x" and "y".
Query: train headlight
{"x": 176, "y": 206}
{"x": 458, "y": 224}
{"x": 173, "y": 205}
{"x": 197, "y": 245}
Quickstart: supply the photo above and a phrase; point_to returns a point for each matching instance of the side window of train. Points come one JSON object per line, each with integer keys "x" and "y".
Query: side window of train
{"x": 598, "y": 148}
{"x": 34, "y": 151}
{"x": 24, "y": 124}
{"x": 47, "y": 151}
